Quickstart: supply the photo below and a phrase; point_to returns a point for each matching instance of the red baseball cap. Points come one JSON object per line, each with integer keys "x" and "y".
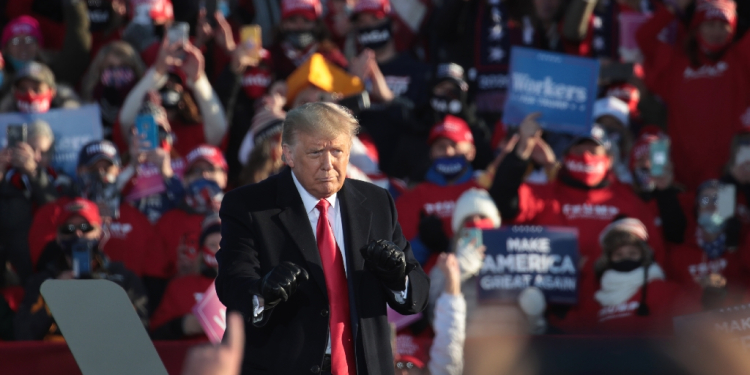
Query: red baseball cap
{"x": 378, "y": 8}
{"x": 22, "y": 25}
{"x": 310, "y": 9}
{"x": 453, "y": 128}
{"x": 81, "y": 207}
{"x": 210, "y": 154}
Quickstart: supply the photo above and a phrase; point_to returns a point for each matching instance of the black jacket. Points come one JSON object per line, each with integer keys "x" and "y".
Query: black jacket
{"x": 265, "y": 224}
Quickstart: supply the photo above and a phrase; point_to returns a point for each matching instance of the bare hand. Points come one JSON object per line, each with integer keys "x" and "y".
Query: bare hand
{"x": 449, "y": 265}
{"x": 161, "y": 159}
{"x": 361, "y": 65}
{"x": 23, "y": 159}
{"x": 543, "y": 154}
{"x": 169, "y": 56}
{"x": 223, "y": 34}
{"x": 66, "y": 275}
{"x": 119, "y": 8}
{"x": 242, "y": 58}
{"x": 193, "y": 66}
{"x": 203, "y": 30}
{"x": 190, "y": 325}
{"x": 664, "y": 181}
{"x": 530, "y": 128}
{"x": 222, "y": 359}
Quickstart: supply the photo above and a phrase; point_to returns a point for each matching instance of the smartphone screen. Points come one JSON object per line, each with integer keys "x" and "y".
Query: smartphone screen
{"x": 726, "y": 200}
{"x": 81, "y": 257}
{"x": 148, "y": 131}
{"x": 470, "y": 237}
{"x": 16, "y": 134}
{"x": 743, "y": 155}
{"x": 251, "y": 36}
{"x": 659, "y": 152}
{"x": 178, "y": 33}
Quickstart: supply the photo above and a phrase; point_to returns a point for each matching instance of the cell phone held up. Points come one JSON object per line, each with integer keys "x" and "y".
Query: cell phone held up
{"x": 147, "y": 131}
{"x": 16, "y": 133}
{"x": 178, "y": 33}
{"x": 81, "y": 256}
{"x": 659, "y": 154}
{"x": 251, "y": 38}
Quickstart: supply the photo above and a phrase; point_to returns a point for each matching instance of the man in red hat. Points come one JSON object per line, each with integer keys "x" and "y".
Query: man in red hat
{"x": 425, "y": 212}
{"x": 79, "y": 227}
{"x": 302, "y": 33}
{"x": 375, "y": 29}
{"x": 206, "y": 161}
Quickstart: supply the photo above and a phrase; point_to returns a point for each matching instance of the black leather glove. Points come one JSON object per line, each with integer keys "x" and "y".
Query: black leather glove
{"x": 281, "y": 282}
{"x": 432, "y": 234}
{"x": 387, "y": 261}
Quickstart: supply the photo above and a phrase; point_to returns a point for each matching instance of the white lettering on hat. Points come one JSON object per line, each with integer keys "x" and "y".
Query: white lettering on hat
{"x": 201, "y": 152}
{"x": 101, "y": 148}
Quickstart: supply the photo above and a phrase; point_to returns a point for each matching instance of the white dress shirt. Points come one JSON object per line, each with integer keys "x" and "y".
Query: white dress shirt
{"x": 334, "y": 219}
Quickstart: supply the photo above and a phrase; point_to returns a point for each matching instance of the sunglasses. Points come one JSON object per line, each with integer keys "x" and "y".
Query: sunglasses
{"x": 25, "y": 40}
{"x": 405, "y": 365}
{"x": 72, "y": 228}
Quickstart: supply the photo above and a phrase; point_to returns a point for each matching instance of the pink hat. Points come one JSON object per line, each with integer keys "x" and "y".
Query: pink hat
{"x": 22, "y": 25}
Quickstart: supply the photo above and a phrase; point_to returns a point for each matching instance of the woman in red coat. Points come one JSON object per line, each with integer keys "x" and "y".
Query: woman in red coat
{"x": 705, "y": 83}
{"x": 634, "y": 298}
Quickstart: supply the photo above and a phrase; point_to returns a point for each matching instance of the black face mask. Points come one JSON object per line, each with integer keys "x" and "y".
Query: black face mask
{"x": 446, "y": 105}
{"x": 299, "y": 39}
{"x": 100, "y": 14}
{"x": 626, "y": 265}
{"x": 375, "y": 37}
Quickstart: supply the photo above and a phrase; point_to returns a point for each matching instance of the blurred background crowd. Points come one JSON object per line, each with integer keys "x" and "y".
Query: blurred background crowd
{"x": 192, "y": 96}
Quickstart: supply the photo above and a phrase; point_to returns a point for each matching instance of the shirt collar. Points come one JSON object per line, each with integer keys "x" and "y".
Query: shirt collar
{"x": 308, "y": 200}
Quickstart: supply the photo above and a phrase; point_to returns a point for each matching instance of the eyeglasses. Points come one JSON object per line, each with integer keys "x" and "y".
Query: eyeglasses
{"x": 709, "y": 200}
{"x": 25, "y": 40}
{"x": 405, "y": 365}
{"x": 72, "y": 228}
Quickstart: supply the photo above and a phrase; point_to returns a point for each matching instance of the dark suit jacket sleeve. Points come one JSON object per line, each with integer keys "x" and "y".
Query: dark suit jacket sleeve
{"x": 239, "y": 267}
{"x": 419, "y": 283}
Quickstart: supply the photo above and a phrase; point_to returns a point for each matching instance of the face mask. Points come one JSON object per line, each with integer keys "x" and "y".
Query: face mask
{"x": 626, "y": 265}
{"x": 644, "y": 180}
{"x": 445, "y": 105}
{"x": 375, "y": 37}
{"x": 117, "y": 77}
{"x": 299, "y": 39}
{"x": 712, "y": 223}
{"x": 15, "y": 63}
{"x": 587, "y": 168}
{"x": 450, "y": 167}
{"x": 34, "y": 103}
{"x": 209, "y": 258}
{"x": 485, "y": 223}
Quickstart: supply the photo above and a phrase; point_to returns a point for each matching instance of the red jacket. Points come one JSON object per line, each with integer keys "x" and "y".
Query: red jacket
{"x": 179, "y": 298}
{"x": 432, "y": 199}
{"x": 705, "y": 103}
{"x": 589, "y": 211}
{"x": 173, "y": 228}
{"x": 132, "y": 240}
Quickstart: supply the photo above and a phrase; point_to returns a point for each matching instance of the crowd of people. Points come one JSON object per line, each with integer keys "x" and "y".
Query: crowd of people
{"x": 427, "y": 81}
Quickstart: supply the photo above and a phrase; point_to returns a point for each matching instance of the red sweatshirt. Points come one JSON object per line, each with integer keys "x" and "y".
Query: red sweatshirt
{"x": 173, "y": 228}
{"x": 132, "y": 240}
{"x": 179, "y": 298}
{"x": 665, "y": 300}
{"x": 705, "y": 102}
{"x": 589, "y": 211}
{"x": 432, "y": 199}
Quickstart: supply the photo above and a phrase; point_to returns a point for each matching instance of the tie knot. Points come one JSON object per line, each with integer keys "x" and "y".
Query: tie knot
{"x": 323, "y": 206}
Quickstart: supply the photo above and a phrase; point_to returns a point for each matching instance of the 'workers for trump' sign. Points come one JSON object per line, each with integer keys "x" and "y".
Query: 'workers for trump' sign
{"x": 518, "y": 257}
{"x": 562, "y": 87}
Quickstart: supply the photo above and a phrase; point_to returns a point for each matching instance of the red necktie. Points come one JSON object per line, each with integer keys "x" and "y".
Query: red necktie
{"x": 342, "y": 348}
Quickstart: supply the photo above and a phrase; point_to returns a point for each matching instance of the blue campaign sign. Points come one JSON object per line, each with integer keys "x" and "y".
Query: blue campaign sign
{"x": 73, "y": 128}
{"x": 562, "y": 87}
{"x": 522, "y": 256}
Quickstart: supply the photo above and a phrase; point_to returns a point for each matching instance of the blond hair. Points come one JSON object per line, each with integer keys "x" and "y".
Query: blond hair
{"x": 118, "y": 48}
{"x": 323, "y": 119}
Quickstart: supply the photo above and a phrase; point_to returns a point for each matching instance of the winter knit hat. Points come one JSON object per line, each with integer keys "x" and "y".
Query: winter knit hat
{"x": 474, "y": 202}
{"x": 613, "y": 107}
{"x": 626, "y": 231}
{"x": 22, "y": 25}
